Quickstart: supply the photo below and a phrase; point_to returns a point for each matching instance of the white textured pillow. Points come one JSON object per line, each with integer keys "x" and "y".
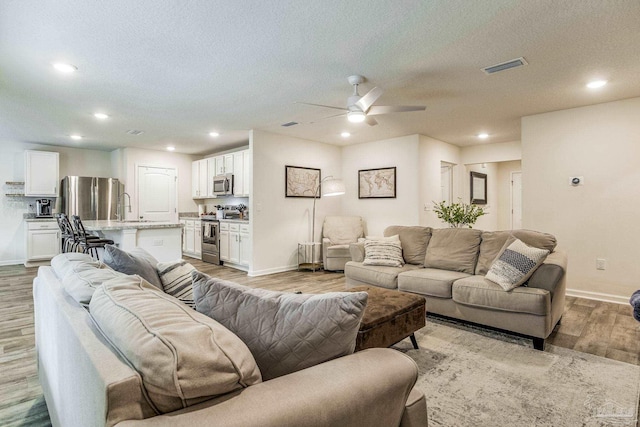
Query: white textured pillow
{"x": 82, "y": 280}
{"x": 183, "y": 357}
{"x": 176, "y": 280}
{"x": 285, "y": 332}
{"x": 515, "y": 264}
{"x": 385, "y": 251}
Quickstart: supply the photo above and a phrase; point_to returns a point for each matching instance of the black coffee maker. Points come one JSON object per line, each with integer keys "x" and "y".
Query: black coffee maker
{"x": 44, "y": 208}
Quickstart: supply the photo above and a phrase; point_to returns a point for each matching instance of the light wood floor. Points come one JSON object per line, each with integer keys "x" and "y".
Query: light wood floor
{"x": 600, "y": 328}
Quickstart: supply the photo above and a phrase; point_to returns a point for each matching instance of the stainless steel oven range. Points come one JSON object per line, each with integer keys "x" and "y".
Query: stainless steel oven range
{"x": 210, "y": 240}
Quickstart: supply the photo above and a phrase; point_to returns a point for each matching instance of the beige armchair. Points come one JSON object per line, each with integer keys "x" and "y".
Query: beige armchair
{"x": 337, "y": 233}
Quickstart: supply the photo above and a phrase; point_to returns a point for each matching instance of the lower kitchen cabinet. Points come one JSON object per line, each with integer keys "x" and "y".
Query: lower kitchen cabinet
{"x": 191, "y": 238}
{"x": 42, "y": 240}
{"x": 235, "y": 244}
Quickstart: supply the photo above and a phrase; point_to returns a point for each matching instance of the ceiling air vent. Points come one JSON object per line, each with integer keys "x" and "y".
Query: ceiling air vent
{"x": 289, "y": 124}
{"x": 135, "y": 132}
{"x": 518, "y": 62}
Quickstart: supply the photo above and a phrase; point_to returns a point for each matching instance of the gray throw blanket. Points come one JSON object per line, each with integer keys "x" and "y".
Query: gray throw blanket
{"x": 635, "y": 303}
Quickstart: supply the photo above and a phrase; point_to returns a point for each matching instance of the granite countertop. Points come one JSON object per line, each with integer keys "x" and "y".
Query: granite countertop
{"x": 34, "y": 219}
{"x": 127, "y": 225}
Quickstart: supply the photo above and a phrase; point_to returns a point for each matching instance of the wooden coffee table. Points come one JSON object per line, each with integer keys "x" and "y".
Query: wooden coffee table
{"x": 390, "y": 317}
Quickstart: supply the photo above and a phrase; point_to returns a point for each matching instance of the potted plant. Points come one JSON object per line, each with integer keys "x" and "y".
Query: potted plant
{"x": 458, "y": 214}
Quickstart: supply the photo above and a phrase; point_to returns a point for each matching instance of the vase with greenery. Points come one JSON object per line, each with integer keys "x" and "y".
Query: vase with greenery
{"x": 458, "y": 214}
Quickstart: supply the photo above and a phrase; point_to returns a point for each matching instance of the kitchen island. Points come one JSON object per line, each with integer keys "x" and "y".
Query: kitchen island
{"x": 163, "y": 240}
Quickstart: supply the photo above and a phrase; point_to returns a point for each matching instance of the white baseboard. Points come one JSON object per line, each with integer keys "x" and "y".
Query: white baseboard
{"x": 254, "y": 273}
{"x": 12, "y": 262}
{"x": 617, "y": 299}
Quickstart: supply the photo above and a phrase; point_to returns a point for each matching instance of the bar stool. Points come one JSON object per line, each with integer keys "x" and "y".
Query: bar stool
{"x": 69, "y": 240}
{"x": 87, "y": 242}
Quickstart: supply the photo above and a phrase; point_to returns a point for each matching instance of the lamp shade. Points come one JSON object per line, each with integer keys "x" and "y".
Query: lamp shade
{"x": 356, "y": 116}
{"x": 333, "y": 187}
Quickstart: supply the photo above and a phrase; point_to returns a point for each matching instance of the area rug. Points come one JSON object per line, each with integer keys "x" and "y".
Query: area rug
{"x": 476, "y": 377}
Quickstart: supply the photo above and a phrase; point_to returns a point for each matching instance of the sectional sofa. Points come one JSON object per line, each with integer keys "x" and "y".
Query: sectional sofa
{"x": 448, "y": 267}
{"x": 93, "y": 326}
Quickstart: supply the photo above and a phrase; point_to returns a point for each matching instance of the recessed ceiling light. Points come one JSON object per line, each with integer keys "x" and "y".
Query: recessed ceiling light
{"x": 171, "y": 148}
{"x": 214, "y": 134}
{"x": 101, "y": 116}
{"x": 75, "y": 137}
{"x": 345, "y": 134}
{"x": 64, "y": 68}
{"x": 596, "y": 84}
{"x": 483, "y": 135}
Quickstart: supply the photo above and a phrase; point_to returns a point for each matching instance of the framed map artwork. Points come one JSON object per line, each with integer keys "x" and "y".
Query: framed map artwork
{"x": 301, "y": 182}
{"x": 377, "y": 183}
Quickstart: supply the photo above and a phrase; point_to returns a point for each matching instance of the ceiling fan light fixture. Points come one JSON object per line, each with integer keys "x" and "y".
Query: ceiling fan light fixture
{"x": 356, "y": 116}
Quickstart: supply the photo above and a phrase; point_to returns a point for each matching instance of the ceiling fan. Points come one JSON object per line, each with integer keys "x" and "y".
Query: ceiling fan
{"x": 361, "y": 109}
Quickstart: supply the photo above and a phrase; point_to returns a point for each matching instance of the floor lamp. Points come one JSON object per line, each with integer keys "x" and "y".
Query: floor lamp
{"x": 328, "y": 187}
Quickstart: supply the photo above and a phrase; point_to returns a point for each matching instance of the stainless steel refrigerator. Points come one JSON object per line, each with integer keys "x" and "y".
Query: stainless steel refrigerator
{"x": 91, "y": 198}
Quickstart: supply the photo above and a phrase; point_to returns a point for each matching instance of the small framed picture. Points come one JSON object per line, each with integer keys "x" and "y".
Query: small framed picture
{"x": 377, "y": 183}
{"x": 478, "y": 188}
{"x": 301, "y": 182}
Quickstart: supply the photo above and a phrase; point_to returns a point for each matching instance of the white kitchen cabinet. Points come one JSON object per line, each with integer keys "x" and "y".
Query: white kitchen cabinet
{"x": 245, "y": 245}
{"x": 41, "y": 170}
{"x": 42, "y": 240}
{"x": 234, "y": 243}
{"x": 224, "y": 164}
{"x": 224, "y": 241}
{"x": 241, "y": 165}
{"x": 191, "y": 237}
{"x": 199, "y": 178}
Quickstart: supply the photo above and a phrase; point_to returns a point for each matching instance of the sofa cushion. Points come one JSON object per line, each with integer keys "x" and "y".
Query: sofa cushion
{"x": 515, "y": 264}
{"x": 183, "y": 356}
{"x": 285, "y": 332}
{"x": 176, "y": 280}
{"x": 385, "y": 251}
{"x": 493, "y": 242}
{"x": 385, "y": 277}
{"x": 429, "y": 281}
{"x": 478, "y": 291}
{"x": 338, "y": 251}
{"x": 83, "y": 278}
{"x": 136, "y": 261}
{"x": 454, "y": 249}
{"x": 342, "y": 230}
{"x": 414, "y": 240}
{"x": 63, "y": 263}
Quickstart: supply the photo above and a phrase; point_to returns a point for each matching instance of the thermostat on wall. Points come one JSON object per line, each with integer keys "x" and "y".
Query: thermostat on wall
{"x": 576, "y": 180}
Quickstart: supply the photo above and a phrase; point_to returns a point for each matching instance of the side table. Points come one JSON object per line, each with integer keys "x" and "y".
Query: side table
{"x": 308, "y": 253}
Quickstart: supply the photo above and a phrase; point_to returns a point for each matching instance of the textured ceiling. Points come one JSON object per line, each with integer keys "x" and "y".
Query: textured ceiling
{"x": 177, "y": 70}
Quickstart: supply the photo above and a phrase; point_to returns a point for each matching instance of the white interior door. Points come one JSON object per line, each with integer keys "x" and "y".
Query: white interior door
{"x": 446, "y": 181}
{"x": 516, "y": 200}
{"x": 157, "y": 194}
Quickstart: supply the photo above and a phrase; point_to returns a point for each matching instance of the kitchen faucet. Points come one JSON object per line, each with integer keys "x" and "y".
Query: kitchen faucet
{"x": 120, "y": 217}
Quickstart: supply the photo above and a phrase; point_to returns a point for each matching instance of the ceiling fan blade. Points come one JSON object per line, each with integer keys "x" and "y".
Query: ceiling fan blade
{"x": 385, "y": 109}
{"x": 371, "y": 121}
{"x": 369, "y": 98}
{"x": 321, "y": 105}
{"x": 328, "y": 117}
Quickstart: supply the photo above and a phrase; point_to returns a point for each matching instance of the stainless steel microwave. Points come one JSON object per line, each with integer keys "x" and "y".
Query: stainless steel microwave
{"x": 223, "y": 185}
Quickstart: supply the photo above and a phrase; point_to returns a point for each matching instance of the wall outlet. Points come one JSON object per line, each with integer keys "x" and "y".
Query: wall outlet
{"x": 158, "y": 242}
{"x": 601, "y": 264}
{"x": 426, "y": 207}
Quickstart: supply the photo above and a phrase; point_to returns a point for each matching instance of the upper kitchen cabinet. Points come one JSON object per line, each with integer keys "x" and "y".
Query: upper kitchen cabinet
{"x": 224, "y": 164}
{"x": 41, "y": 173}
{"x": 241, "y": 165}
{"x": 199, "y": 171}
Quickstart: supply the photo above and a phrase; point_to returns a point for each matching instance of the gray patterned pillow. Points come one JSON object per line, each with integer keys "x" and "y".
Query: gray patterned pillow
{"x": 176, "y": 280}
{"x": 384, "y": 251}
{"x": 515, "y": 264}
{"x": 285, "y": 332}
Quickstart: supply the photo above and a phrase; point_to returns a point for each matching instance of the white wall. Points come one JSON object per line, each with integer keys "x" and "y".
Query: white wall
{"x": 487, "y": 153}
{"x": 73, "y": 161}
{"x": 126, "y": 159}
{"x": 279, "y": 223}
{"x": 380, "y": 213}
{"x": 600, "y": 218}
{"x": 504, "y": 192}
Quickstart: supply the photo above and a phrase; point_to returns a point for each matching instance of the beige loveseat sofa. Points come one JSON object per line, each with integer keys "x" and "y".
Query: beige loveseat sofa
{"x": 87, "y": 380}
{"x": 448, "y": 268}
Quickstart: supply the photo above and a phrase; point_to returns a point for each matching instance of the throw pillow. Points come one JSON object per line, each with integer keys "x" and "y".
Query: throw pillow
{"x": 384, "y": 251}
{"x": 453, "y": 249}
{"x": 285, "y": 332}
{"x": 515, "y": 264}
{"x": 176, "y": 280}
{"x": 137, "y": 261}
{"x": 183, "y": 357}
